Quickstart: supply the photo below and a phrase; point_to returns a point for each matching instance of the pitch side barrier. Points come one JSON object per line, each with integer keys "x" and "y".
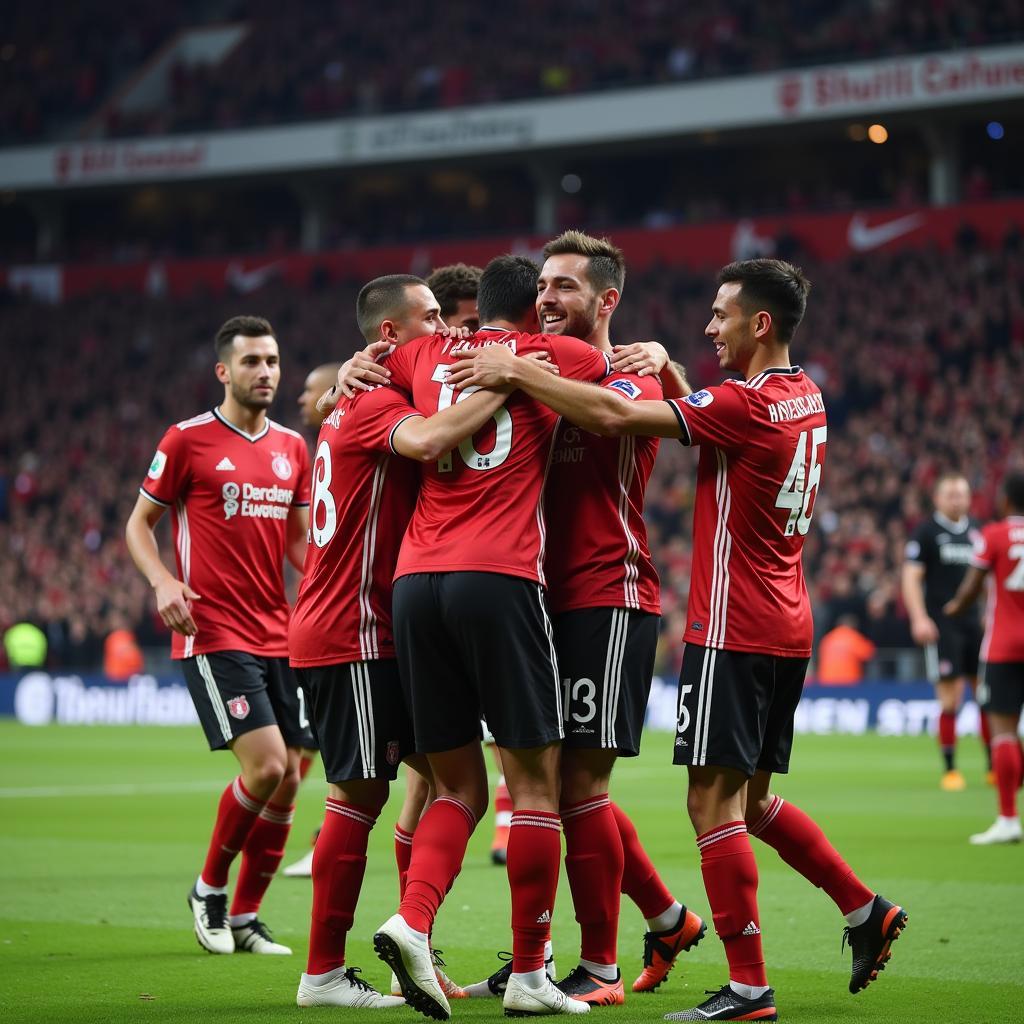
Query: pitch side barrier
{"x": 38, "y": 698}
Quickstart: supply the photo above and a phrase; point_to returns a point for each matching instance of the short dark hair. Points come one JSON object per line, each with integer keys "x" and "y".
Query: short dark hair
{"x": 382, "y": 299}
{"x": 1013, "y": 488}
{"x": 247, "y": 326}
{"x": 772, "y": 285}
{"x": 453, "y": 283}
{"x": 606, "y": 266}
{"x": 508, "y": 288}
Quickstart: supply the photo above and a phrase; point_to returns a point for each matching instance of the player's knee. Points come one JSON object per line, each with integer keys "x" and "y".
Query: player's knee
{"x": 265, "y": 775}
{"x": 756, "y": 809}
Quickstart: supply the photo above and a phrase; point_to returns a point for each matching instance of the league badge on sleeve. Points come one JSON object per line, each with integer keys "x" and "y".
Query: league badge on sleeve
{"x": 627, "y": 388}
{"x": 700, "y": 399}
{"x": 156, "y": 467}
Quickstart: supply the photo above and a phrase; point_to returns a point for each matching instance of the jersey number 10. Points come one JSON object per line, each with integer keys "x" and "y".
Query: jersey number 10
{"x": 801, "y": 484}
{"x": 470, "y": 456}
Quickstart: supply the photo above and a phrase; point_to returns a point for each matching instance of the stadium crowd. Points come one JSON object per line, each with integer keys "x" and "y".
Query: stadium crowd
{"x": 320, "y": 59}
{"x": 916, "y": 353}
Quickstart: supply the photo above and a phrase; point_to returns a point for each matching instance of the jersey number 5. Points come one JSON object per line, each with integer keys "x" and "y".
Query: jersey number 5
{"x": 470, "y": 456}
{"x": 797, "y": 493}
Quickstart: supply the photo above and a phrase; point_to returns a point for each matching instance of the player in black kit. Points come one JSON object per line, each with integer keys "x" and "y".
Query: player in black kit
{"x": 937, "y": 557}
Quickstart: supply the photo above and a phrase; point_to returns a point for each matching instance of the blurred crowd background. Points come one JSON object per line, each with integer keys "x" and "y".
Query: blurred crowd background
{"x": 920, "y": 356}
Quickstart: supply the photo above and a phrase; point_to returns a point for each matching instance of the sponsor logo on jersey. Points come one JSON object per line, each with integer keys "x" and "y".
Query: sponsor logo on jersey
{"x": 230, "y": 492}
{"x": 281, "y": 466}
{"x": 257, "y": 502}
{"x": 238, "y": 707}
{"x": 627, "y": 387}
{"x": 699, "y": 399}
{"x": 225, "y": 465}
{"x": 697, "y": 627}
{"x": 392, "y": 752}
{"x": 156, "y": 467}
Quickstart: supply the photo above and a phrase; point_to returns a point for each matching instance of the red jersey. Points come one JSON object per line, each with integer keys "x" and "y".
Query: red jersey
{"x": 762, "y": 451}
{"x": 480, "y": 507}
{"x": 598, "y": 556}
{"x": 230, "y": 494}
{"x": 362, "y": 500}
{"x": 1000, "y": 551}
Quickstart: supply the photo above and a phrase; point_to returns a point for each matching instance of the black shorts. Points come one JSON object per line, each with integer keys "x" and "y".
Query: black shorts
{"x": 472, "y": 644}
{"x": 1001, "y": 687}
{"x": 235, "y": 692}
{"x": 606, "y": 660}
{"x": 955, "y": 656}
{"x": 736, "y": 709}
{"x": 359, "y": 718}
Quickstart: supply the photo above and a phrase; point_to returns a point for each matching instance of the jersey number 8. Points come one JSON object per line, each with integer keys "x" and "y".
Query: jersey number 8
{"x": 470, "y": 456}
{"x": 801, "y": 484}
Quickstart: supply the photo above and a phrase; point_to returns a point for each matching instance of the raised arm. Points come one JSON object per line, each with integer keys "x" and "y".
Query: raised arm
{"x": 173, "y": 597}
{"x": 599, "y": 410}
{"x": 428, "y": 438}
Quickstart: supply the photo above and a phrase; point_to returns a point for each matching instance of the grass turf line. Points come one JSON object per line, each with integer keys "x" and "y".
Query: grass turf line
{"x": 93, "y": 924}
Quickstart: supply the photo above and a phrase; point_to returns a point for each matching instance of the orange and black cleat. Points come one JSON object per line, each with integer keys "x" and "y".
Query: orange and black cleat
{"x": 870, "y": 942}
{"x": 662, "y": 948}
{"x": 587, "y": 988}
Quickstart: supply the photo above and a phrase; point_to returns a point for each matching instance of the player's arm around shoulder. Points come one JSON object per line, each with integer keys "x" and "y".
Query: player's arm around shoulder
{"x": 426, "y": 439}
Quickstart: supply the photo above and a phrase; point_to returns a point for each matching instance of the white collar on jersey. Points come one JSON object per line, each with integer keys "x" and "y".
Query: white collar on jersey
{"x": 950, "y": 525}
{"x": 238, "y": 430}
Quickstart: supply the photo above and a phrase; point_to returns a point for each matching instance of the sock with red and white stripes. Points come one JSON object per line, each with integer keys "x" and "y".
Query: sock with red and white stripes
{"x": 339, "y": 862}
{"x": 502, "y": 815}
{"x": 438, "y": 848}
{"x": 261, "y": 857}
{"x": 403, "y": 854}
{"x": 640, "y": 879}
{"x": 305, "y": 763}
{"x": 947, "y": 739}
{"x": 1006, "y": 761}
{"x": 236, "y": 814}
{"x": 534, "y": 852}
{"x": 593, "y": 864}
{"x": 730, "y": 879}
{"x": 804, "y": 847}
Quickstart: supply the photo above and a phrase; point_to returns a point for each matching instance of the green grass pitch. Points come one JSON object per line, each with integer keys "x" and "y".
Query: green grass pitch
{"x": 104, "y": 830}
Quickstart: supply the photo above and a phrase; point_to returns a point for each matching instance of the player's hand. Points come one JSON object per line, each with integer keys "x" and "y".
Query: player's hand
{"x": 492, "y": 366}
{"x": 952, "y": 608}
{"x": 643, "y": 358}
{"x": 360, "y": 373}
{"x": 544, "y": 360}
{"x": 924, "y": 631}
{"x": 174, "y": 603}
{"x": 460, "y": 333}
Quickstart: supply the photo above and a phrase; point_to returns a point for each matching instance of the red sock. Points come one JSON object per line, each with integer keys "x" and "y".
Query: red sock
{"x": 593, "y": 863}
{"x": 236, "y": 814}
{"x": 502, "y": 815}
{"x": 947, "y": 737}
{"x": 985, "y": 731}
{"x": 640, "y": 880}
{"x": 437, "y": 851}
{"x": 730, "y": 878}
{"x": 403, "y": 854}
{"x": 803, "y": 846}
{"x": 1006, "y": 760}
{"x": 339, "y": 861}
{"x": 261, "y": 857}
{"x": 305, "y": 763}
{"x": 534, "y": 850}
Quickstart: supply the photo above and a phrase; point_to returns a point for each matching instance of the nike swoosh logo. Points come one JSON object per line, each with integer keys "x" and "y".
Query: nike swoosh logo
{"x": 862, "y": 238}
{"x": 247, "y": 281}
